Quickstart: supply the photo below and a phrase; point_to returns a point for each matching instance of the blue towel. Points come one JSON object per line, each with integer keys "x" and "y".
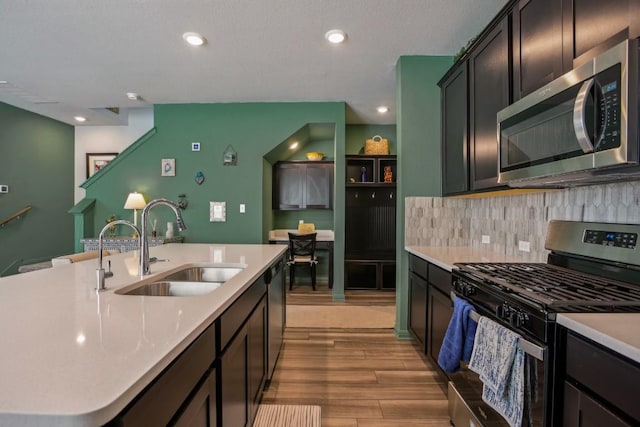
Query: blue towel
{"x": 499, "y": 361}
{"x": 458, "y": 340}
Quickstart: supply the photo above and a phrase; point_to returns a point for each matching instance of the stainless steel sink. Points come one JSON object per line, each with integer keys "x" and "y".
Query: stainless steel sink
{"x": 204, "y": 274}
{"x": 190, "y": 281}
{"x": 167, "y": 288}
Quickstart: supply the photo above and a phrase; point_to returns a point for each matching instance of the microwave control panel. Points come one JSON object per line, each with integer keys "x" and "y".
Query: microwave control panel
{"x": 609, "y": 83}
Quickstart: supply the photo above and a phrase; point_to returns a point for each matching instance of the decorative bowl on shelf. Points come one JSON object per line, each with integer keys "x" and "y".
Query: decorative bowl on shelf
{"x": 314, "y": 155}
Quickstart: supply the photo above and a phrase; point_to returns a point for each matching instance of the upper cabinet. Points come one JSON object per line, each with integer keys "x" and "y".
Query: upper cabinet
{"x": 528, "y": 44}
{"x": 488, "y": 94}
{"x": 303, "y": 185}
{"x": 537, "y": 45}
{"x": 455, "y": 166}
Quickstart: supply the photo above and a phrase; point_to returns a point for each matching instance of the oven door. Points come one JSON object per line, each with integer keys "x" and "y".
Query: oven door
{"x": 466, "y": 407}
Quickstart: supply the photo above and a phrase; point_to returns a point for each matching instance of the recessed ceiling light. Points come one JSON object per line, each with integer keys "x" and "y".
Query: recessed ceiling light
{"x": 293, "y": 146}
{"x": 382, "y": 109}
{"x": 194, "y": 39}
{"x": 133, "y": 96}
{"x": 335, "y": 36}
{"x": 80, "y": 119}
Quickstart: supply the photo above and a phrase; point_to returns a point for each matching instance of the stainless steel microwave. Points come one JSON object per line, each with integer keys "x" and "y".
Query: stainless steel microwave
{"x": 582, "y": 128}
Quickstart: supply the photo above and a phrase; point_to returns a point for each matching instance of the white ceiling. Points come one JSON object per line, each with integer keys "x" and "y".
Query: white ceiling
{"x": 67, "y": 57}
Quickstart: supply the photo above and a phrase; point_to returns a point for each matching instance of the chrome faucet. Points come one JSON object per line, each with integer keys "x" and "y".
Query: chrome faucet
{"x": 144, "y": 243}
{"x": 100, "y": 273}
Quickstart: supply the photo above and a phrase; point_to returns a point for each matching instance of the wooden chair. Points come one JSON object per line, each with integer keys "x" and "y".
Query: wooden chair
{"x": 302, "y": 251}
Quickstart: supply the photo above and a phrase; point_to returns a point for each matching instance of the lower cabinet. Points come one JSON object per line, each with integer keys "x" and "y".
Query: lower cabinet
{"x": 430, "y": 306}
{"x": 184, "y": 391}
{"x": 218, "y": 380}
{"x": 600, "y": 385}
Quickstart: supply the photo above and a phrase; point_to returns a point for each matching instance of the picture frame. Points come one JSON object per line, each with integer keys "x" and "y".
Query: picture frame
{"x": 97, "y": 161}
{"x": 168, "y": 167}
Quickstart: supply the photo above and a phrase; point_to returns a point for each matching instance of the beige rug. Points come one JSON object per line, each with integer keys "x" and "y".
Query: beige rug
{"x": 288, "y": 416}
{"x": 339, "y": 316}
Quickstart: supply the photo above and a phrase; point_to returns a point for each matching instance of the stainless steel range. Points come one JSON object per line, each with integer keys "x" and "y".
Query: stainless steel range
{"x": 592, "y": 267}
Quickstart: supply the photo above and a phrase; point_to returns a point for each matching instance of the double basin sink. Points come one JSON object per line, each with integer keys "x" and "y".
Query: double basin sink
{"x": 190, "y": 281}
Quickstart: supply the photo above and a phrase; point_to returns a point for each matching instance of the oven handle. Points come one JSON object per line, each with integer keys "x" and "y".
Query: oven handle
{"x": 528, "y": 347}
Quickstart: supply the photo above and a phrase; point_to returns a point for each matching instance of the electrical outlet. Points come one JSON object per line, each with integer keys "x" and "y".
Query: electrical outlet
{"x": 4, "y": 188}
{"x": 524, "y": 246}
{"x": 242, "y": 208}
{"x": 195, "y": 146}
{"x": 486, "y": 239}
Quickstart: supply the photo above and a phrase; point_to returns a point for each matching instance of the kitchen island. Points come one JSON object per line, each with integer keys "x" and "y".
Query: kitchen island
{"x": 72, "y": 356}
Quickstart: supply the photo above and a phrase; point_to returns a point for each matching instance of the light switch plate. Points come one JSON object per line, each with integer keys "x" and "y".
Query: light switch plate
{"x": 242, "y": 208}
{"x": 486, "y": 239}
{"x": 195, "y": 146}
{"x": 524, "y": 246}
{"x": 4, "y": 188}
{"x": 217, "y": 211}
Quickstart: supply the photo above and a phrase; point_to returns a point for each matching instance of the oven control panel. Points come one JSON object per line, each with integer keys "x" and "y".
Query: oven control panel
{"x": 611, "y": 238}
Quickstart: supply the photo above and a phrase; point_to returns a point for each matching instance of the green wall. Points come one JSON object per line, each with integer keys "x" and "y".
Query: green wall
{"x": 36, "y": 162}
{"x": 252, "y": 129}
{"x": 419, "y": 174}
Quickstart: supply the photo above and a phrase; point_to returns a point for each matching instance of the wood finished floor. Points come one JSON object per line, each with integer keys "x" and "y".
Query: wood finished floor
{"x": 359, "y": 377}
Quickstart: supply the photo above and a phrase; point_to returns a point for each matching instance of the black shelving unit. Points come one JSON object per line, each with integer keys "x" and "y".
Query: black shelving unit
{"x": 370, "y": 227}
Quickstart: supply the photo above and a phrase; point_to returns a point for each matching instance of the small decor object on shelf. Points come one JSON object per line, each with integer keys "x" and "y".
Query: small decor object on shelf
{"x": 315, "y": 155}
{"x": 376, "y": 145}
{"x": 363, "y": 174}
{"x": 168, "y": 167}
{"x": 388, "y": 174}
{"x": 154, "y": 233}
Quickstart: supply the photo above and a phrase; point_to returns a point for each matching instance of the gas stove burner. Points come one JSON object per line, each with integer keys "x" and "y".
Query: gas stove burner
{"x": 554, "y": 286}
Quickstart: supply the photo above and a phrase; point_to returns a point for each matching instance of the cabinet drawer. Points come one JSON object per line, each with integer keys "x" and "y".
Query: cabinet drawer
{"x": 418, "y": 266}
{"x": 611, "y": 377}
{"x": 233, "y": 318}
{"x": 440, "y": 278}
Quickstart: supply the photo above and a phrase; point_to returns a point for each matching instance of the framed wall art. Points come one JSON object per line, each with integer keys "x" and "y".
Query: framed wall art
{"x": 168, "y": 167}
{"x": 96, "y": 161}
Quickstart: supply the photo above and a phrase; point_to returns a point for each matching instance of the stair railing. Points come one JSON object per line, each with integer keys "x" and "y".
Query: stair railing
{"x": 16, "y": 215}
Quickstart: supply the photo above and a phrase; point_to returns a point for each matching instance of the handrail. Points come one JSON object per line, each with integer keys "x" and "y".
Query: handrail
{"x": 15, "y": 215}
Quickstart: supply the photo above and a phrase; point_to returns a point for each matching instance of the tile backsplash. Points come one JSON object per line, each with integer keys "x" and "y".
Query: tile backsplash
{"x": 437, "y": 221}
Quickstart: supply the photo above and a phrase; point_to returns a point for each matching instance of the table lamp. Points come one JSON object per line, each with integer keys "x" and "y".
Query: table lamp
{"x": 135, "y": 201}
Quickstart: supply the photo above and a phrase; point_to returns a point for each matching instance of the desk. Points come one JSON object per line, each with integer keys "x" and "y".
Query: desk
{"x": 324, "y": 242}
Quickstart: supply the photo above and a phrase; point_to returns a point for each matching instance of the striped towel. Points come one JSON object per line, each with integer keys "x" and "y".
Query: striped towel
{"x": 499, "y": 361}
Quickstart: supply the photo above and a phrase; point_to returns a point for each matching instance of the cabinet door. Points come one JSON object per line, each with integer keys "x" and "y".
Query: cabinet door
{"x": 440, "y": 312}
{"x": 234, "y": 395}
{"x": 537, "y": 45}
{"x": 455, "y": 164}
{"x": 257, "y": 357}
{"x": 288, "y": 191}
{"x": 318, "y": 186}
{"x": 592, "y": 26}
{"x": 580, "y": 410}
{"x": 489, "y": 93}
{"x": 201, "y": 409}
{"x": 418, "y": 309}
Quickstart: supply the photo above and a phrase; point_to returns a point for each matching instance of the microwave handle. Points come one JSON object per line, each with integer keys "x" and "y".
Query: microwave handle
{"x": 579, "y": 125}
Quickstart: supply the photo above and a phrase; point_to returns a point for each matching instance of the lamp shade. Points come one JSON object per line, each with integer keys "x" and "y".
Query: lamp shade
{"x": 135, "y": 201}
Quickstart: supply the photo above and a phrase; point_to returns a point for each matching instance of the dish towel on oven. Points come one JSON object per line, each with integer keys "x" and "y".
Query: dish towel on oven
{"x": 499, "y": 361}
{"x": 458, "y": 339}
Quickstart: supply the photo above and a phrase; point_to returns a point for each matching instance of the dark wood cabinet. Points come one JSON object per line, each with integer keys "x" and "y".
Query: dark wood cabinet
{"x": 537, "y": 45}
{"x": 303, "y": 185}
{"x": 418, "y": 288}
{"x": 370, "y": 223}
{"x": 592, "y": 26}
{"x": 599, "y": 384}
{"x": 455, "y": 159}
{"x": 488, "y": 94}
{"x": 430, "y": 306}
{"x": 170, "y": 398}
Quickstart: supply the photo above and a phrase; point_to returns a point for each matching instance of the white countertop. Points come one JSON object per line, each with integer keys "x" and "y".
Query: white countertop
{"x": 446, "y": 256}
{"x": 283, "y": 234}
{"x": 618, "y": 331}
{"x": 71, "y": 356}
